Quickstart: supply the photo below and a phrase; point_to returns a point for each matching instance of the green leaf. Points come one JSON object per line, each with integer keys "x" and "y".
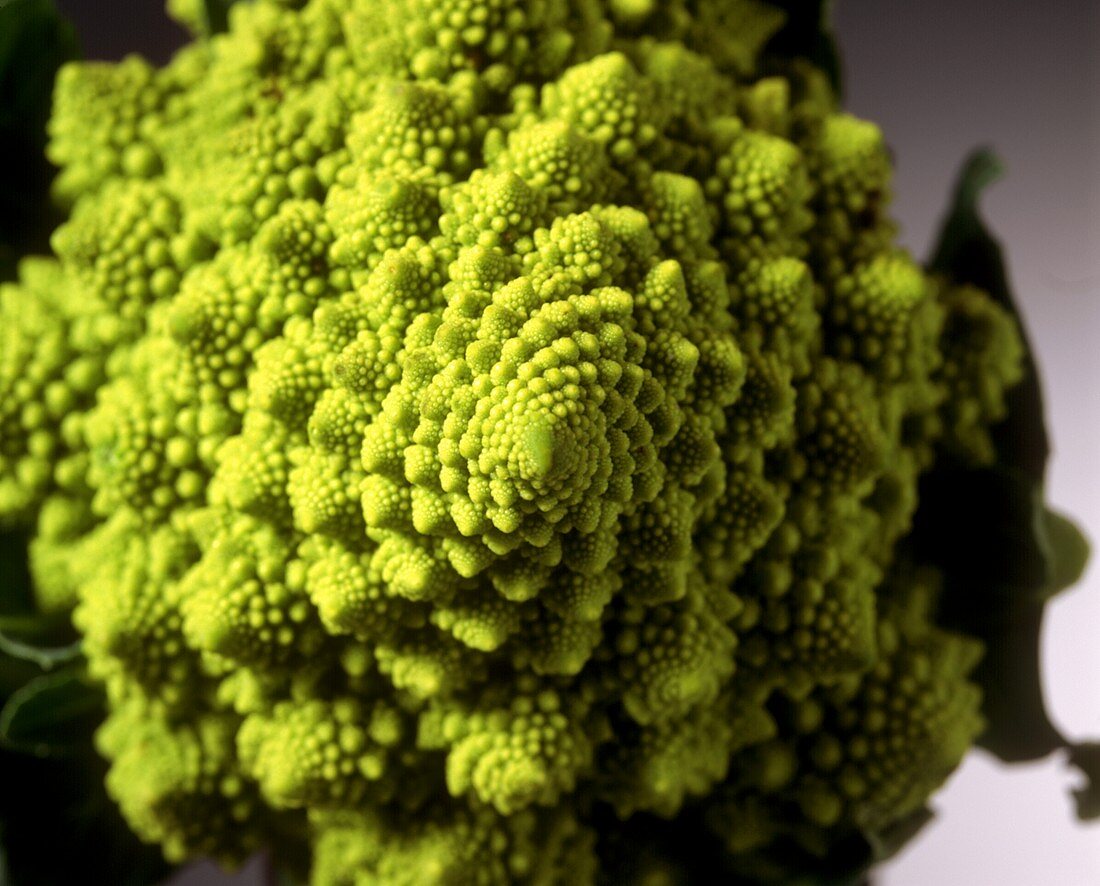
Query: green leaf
{"x": 51, "y": 775}
{"x": 30, "y": 641}
{"x": 966, "y": 252}
{"x": 16, "y": 593}
{"x": 1002, "y": 551}
{"x": 52, "y": 714}
{"x": 1086, "y": 757}
{"x": 217, "y": 15}
{"x": 993, "y": 534}
{"x": 59, "y": 802}
{"x": 964, "y": 243}
{"x": 1067, "y": 551}
{"x": 808, "y": 34}
{"x": 868, "y": 849}
{"x": 13, "y": 628}
{"x": 980, "y": 526}
{"x": 34, "y": 41}
{"x": 44, "y": 657}
{"x": 886, "y": 844}
{"x": 285, "y": 878}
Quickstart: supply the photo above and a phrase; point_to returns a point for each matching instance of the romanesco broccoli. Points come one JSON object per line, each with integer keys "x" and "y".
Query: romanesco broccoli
{"x": 479, "y": 435}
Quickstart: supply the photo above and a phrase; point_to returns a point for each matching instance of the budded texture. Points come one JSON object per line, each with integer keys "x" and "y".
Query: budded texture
{"x": 474, "y": 431}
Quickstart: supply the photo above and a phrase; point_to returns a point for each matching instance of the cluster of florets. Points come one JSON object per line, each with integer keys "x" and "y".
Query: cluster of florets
{"x": 470, "y": 430}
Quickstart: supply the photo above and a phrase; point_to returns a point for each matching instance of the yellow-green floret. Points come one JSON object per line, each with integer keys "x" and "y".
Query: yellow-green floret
{"x": 475, "y": 433}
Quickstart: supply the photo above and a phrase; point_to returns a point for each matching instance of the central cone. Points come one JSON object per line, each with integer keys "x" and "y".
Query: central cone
{"x": 545, "y": 453}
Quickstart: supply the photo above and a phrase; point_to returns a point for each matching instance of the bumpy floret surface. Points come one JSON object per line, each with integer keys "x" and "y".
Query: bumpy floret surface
{"x": 458, "y": 423}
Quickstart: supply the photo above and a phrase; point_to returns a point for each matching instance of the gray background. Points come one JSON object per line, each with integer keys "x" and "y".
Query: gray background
{"x": 941, "y": 77}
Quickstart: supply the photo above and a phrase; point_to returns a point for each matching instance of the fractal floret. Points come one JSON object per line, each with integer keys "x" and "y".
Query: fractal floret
{"x": 479, "y": 439}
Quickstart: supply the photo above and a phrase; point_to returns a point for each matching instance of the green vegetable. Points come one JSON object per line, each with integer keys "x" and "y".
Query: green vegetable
{"x": 492, "y": 442}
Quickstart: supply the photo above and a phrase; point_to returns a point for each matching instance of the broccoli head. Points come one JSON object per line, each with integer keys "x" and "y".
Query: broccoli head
{"x": 479, "y": 438}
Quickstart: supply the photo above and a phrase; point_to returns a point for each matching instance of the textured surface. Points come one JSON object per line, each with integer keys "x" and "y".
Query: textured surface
{"x": 306, "y": 509}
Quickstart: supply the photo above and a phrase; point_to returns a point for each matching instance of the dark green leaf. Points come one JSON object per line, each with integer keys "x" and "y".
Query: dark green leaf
{"x": 869, "y": 849}
{"x": 980, "y": 526}
{"x": 994, "y": 535}
{"x": 47, "y": 801}
{"x": 16, "y": 593}
{"x": 34, "y": 42}
{"x": 808, "y": 34}
{"x": 284, "y": 878}
{"x": 27, "y": 636}
{"x": 888, "y": 843}
{"x": 34, "y": 627}
{"x": 33, "y": 638}
{"x": 965, "y": 252}
{"x": 1086, "y": 757}
{"x": 1002, "y": 552}
{"x": 1003, "y": 555}
{"x": 1067, "y": 551}
{"x": 45, "y": 657}
{"x": 962, "y": 250}
{"x": 60, "y": 802}
{"x": 1019, "y": 727}
{"x": 217, "y": 15}
{"x": 15, "y": 672}
{"x": 52, "y": 714}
